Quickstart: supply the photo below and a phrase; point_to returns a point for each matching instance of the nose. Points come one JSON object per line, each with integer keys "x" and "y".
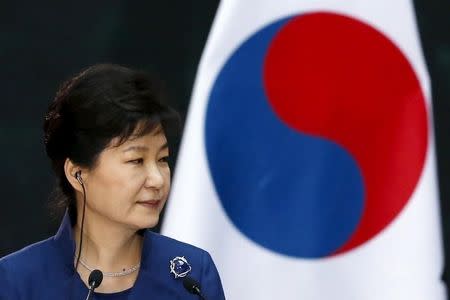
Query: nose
{"x": 155, "y": 177}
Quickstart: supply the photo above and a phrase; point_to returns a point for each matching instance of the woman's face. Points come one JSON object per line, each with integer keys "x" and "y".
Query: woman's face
{"x": 130, "y": 183}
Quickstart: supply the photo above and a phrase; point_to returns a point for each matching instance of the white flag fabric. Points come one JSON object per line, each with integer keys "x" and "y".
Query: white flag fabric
{"x": 307, "y": 165}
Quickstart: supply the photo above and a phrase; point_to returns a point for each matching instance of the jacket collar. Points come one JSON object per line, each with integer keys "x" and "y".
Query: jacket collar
{"x": 66, "y": 244}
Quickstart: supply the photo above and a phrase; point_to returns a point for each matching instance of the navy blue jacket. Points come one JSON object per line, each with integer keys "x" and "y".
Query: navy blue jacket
{"x": 45, "y": 270}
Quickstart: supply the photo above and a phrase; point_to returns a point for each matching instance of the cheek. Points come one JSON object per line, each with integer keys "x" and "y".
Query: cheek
{"x": 166, "y": 174}
{"x": 116, "y": 185}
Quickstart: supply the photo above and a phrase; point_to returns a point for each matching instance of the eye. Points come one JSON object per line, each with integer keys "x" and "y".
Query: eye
{"x": 136, "y": 161}
{"x": 164, "y": 159}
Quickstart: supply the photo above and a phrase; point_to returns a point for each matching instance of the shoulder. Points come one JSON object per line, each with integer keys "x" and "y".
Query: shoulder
{"x": 165, "y": 243}
{"x": 29, "y": 257}
{"x": 24, "y": 265}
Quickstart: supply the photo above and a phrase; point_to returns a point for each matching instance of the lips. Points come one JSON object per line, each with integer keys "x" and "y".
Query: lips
{"x": 150, "y": 203}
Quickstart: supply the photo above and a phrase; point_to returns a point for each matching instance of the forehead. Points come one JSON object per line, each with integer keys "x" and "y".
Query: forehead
{"x": 154, "y": 140}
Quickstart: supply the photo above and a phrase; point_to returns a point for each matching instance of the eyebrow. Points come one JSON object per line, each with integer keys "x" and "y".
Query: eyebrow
{"x": 144, "y": 148}
{"x": 158, "y": 130}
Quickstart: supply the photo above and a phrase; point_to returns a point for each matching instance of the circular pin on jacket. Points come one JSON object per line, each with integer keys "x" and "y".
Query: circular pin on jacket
{"x": 179, "y": 267}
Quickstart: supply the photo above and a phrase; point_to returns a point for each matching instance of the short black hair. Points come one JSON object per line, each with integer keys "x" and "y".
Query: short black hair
{"x": 101, "y": 103}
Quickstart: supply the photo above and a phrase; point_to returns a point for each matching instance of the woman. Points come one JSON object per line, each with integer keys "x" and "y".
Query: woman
{"x": 105, "y": 134}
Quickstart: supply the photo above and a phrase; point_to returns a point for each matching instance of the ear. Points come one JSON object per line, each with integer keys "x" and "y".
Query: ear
{"x": 70, "y": 170}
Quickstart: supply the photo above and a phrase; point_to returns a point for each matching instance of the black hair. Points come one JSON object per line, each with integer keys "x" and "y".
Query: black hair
{"x": 101, "y": 103}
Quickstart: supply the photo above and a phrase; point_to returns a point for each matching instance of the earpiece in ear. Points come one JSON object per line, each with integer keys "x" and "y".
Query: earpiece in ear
{"x": 78, "y": 177}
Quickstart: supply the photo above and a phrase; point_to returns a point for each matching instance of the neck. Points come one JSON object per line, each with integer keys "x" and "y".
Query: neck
{"x": 107, "y": 245}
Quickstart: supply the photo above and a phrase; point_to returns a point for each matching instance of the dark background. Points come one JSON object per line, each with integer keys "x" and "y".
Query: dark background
{"x": 42, "y": 44}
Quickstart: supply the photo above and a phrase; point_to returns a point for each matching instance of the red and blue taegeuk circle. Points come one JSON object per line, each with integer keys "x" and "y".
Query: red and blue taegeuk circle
{"x": 316, "y": 134}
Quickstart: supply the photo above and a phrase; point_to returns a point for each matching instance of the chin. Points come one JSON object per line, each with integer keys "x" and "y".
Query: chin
{"x": 145, "y": 217}
{"x": 148, "y": 222}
